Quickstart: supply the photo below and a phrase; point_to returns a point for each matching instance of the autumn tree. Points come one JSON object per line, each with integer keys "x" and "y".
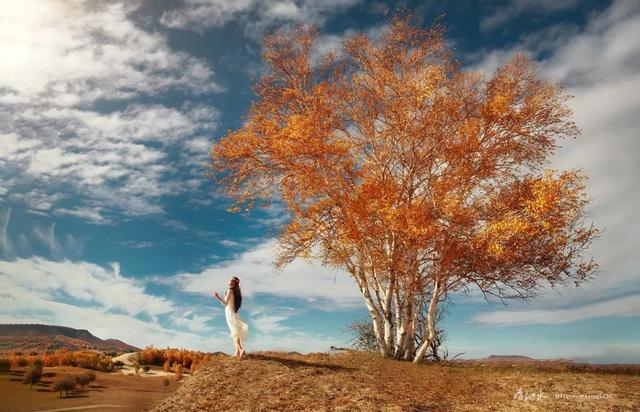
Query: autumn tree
{"x": 82, "y": 379}
{"x": 92, "y": 377}
{"x": 416, "y": 177}
{"x": 33, "y": 375}
{"x": 65, "y": 384}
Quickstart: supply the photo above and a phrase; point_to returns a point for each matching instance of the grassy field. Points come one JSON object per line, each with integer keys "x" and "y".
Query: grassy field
{"x": 366, "y": 382}
{"x": 131, "y": 393}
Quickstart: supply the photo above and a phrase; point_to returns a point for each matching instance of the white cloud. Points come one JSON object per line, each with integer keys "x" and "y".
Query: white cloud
{"x": 117, "y": 160}
{"x": 46, "y": 235}
{"x": 255, "y": 15}
{"x": 292, "y": 341}
{"x": 192, "y": 321}
{"x": 200, "y": 145}
{"x": 90, "y": 214}
{"x": 61, "y": 58}
{"x": 6, "y": 245}
{"x": 623, "y": 307}
{"x": 270, "y": 324}
{"x": 323, "y": 287}
{"x": 85, "y": 282}
{"x": 67, "y": 53}
{"x": 11, "y": 147}
{"x": 333, "y": 42}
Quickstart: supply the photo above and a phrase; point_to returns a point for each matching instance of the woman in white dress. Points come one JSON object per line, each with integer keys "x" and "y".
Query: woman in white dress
{"x": 232, "y": 301}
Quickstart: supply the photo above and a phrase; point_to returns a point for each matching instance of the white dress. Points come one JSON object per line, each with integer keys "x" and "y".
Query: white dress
{"x": 237, "y": 327}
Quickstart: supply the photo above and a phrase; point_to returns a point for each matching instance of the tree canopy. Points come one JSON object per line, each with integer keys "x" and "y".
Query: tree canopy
{"x": 415, "y": 176}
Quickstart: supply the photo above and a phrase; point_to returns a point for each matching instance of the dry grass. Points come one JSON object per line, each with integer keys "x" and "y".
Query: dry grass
{"x": 366, "y": 382}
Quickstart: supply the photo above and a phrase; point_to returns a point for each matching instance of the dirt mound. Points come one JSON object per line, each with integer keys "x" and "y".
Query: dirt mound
{"x": 274, "y": 381}
{"x": 352, "y": 381}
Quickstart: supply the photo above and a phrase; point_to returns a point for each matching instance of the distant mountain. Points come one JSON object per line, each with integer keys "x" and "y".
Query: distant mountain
{"x": 39, "y": 337}
{"x": 509, "y": 358}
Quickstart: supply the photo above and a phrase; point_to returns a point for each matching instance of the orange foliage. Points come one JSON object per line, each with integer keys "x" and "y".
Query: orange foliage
{"x": 400, "y": 167}
{"x": 64, "y": 357}
{"x": 169, "y": 356}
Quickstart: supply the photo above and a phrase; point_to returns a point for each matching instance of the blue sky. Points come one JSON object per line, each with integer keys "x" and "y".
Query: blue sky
{"x": 108, "y": 222}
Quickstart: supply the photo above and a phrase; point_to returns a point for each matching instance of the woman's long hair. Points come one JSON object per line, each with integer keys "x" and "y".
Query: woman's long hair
{"x": 237, "y": 294}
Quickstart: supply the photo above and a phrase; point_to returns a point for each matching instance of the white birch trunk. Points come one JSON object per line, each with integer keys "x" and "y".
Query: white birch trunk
{"x": 388, "y": 316}
{"x": 409, "y": 339}
{"x": 429, "y": 327}
{"x": 375, "y": 315}
{"x": 401, "y": 325}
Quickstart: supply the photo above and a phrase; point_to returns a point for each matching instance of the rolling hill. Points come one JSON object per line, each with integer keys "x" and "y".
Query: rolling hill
{"x": 40, "y": 337}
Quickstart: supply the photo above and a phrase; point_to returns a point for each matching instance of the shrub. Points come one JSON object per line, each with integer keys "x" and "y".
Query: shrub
{"x": 105, "y": 365}
{"x": 136, "y": 367}
{"x": 32, "y": 375}
{"x": 145, "y": 368}
{"x": 364, "y": 336}
{"x": 178, "y": 371}
{"x": 82, "y": 379}
{"x": 166, "y": 366}
{"x": 5, "y": 365}
{"x": 92, "y": 376}
{"x": 65, "y": 384}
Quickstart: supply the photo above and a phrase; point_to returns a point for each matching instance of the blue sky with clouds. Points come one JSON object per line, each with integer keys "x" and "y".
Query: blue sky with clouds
{"x": 108, "y": 222}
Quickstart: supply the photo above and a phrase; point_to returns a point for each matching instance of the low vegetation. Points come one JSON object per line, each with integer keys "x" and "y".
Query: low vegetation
{"x": 69, "y": 382}
{"x": 171, "y": 356}
{"x": 66, "y": 384}
{"x": 178, "y": 372}
{"x": 81, "y": 359}
{"x": 5, "y": 365}
{"x": 33, "y": 374}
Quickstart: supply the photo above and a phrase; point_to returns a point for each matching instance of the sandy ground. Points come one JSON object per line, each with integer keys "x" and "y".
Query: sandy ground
{"x": 110, "y": 392}
{"x": 129, "y": 360}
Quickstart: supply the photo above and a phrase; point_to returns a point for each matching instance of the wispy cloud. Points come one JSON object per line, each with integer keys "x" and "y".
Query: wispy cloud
{"x": 624, "y": 306}
{"x": 89, "y": 214}
{"x": 501, "y": 14}
{"x": 84, "y": 282}
{"x": 322, "y": 287}
{"x": 74, "y": 53}
{"x": 60, "y": 61}
{"x": 69, "y": 246}
{"x": 255, "y": 16}
{"x": 6, "y": 245}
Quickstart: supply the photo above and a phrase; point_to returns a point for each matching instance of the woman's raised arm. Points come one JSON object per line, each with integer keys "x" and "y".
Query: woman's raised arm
{"x": 224, "y": 301}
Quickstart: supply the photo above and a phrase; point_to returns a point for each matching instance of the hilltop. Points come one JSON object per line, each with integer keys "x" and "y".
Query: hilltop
{"x": 41, "y": 337}
{"x": 356, "y": 381}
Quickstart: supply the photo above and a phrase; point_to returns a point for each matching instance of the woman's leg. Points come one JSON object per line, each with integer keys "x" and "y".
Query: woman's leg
{"x": 235, "y": 343}
{"x": 239, "y": 349}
